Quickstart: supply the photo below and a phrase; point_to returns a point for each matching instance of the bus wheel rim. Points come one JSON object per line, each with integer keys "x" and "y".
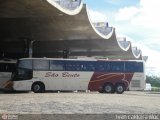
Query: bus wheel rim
{"x": 36, "y": 87}
{"x": 108, "y": 88}
{"x": 119, "y": 88}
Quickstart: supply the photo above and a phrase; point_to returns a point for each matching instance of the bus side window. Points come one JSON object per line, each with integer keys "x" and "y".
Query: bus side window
{"x": 101, "y": 66}
{"x": 88, "y": 66}
{"x": 138, "y": 67}
{"x": 41, "y": 64}
{"x": 91, "y": 66}
{"x": 56, "y": 65}
{"x": 117, "y": 66}
{"x": 108, "y": 68}
{"x": 83, "y": 67}
{"x": 10, "y": 67}
{"x": 2, "y": 67}
{"x": 72, "y": 65}
{"x": 27, "y": 64}
{"x": 78, "y": 66}
{"x": 141, "y": 69}
{"x": 7, "y": 67}
{"x": 69, "y": 65}
{"x": 130, "y": 67}
{"x": 23, "y": 74}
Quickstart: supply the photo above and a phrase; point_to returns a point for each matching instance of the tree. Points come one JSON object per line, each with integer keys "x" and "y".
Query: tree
{"x": 154, "y": 80}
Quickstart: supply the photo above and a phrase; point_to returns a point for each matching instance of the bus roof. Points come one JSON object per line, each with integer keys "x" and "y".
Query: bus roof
{"x": 79, "y": 59}
{"x": 10, "y": 61}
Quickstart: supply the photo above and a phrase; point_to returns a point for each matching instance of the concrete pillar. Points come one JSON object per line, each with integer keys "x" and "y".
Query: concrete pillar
{"x": 66, "y": 53}
{"x": 28, "y": 51}
{"x": 31, "y": 48}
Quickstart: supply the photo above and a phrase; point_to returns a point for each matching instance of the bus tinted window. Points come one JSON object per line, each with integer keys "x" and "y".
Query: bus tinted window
{"x": 10, "y": 67}
{"x": 72, "y": 65}
{"x": 56, "y": 65}
{"x": 41, "y": 64}
{"x": 88, "y": 66}
{"x": 27, "y": 64}
{"x": 134, "y": 67}
{"x": 7, "y": 67}
{"x": 116, "y": 66}
{"x": 91, "y": 66}
{"x": 101, "y": 66}
{"x": 140, "y": 67}
{"x": 2, "y": 67}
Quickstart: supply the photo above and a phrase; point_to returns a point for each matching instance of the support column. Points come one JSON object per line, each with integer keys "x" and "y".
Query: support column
{"x": 66, "y": 53}
{"x": 28, "y": 47}
{"x": 89, "y": 53}
{"x": 31, "y": 48}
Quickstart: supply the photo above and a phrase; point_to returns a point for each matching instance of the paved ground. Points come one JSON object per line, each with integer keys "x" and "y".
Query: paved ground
{"x": 80, "y": 103}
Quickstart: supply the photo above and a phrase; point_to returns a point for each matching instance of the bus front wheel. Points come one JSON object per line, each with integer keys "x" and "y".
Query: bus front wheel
{"x": 38, "y": 87}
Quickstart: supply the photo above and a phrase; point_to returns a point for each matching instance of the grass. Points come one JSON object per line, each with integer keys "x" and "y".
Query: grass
{"x": 155, "y": 89}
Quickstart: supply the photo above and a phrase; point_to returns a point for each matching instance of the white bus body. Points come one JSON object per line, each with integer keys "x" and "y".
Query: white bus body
{"x": 72, "y": 74}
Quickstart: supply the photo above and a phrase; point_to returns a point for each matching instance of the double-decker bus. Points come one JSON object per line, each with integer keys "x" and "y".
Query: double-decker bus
{"x": 6, "y": 69}
{"x": 105, "y": 76}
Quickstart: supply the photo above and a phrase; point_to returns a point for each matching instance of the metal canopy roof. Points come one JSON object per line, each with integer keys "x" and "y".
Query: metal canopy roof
{"x": 53, "y": 29}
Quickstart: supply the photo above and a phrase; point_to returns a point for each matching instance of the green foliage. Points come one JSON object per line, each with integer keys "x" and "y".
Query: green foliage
{"x": 156, "y": 89}
{"x": 154, "y": 80}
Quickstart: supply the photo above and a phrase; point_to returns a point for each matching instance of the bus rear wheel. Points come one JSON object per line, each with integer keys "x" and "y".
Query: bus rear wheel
{"x": 120, "y": 88}
{"x": 38, "y": 87}
{"x": 108, "y": 88}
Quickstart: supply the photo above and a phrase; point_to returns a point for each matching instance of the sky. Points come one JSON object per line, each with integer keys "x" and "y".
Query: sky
{"x": 137, "y": 20}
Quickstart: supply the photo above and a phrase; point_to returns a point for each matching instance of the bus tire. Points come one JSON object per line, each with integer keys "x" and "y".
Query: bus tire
{"x": 38, "y": 87}
{"x": 120, "y": 88}
{"x": 108, "y": 88}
